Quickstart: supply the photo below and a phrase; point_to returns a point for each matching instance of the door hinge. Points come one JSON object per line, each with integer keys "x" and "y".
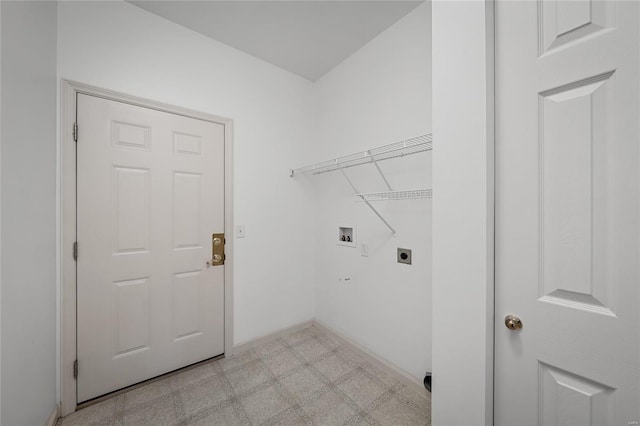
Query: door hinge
{"x": 75, "y": 132}
{"x": 75, "y": 250}
{"x": 75, "y": 369}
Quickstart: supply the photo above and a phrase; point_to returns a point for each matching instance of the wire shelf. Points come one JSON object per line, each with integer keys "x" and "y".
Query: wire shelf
{"x": 408, "y": 194}
{"x": 398, "y": 149}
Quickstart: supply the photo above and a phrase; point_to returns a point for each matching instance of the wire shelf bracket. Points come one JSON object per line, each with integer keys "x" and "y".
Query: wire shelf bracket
{"x": 377, "y": 213}
{"x": 411, "y": 146}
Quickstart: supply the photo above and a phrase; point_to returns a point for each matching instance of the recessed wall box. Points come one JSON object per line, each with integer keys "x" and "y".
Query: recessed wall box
{"x": 346, "y": 235}
{"x": 404, "y": 256}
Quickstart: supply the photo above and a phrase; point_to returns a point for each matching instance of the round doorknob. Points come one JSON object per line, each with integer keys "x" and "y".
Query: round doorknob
{"x": 512, "y": 322}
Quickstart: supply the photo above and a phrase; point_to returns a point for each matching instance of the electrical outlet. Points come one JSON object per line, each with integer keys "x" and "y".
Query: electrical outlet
{"x": 364, "y": 250}
{"x": 404, "y": 256}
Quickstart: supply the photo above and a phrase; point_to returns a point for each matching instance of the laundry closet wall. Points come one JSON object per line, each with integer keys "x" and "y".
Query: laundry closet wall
{"x": 380, "y": 95}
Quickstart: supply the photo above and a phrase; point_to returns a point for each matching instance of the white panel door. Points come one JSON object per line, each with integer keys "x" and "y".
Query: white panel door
{"x": 150, "y": 188}
{"x": 567, "y": 213}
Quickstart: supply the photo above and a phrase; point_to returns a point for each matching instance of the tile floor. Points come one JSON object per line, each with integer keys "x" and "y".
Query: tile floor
{"x": 305, "y": 377}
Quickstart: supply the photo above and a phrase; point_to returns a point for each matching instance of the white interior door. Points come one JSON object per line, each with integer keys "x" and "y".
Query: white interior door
{"x": 567, "y": 213}
{"x": 150, "y": 188}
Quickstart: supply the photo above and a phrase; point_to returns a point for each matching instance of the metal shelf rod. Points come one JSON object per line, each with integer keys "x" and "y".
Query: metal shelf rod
{"x": 398, "y": 149}
{"x": 408, "y": 194}
{"x": 355, "y": 190}
{"x": 384, "y": 178}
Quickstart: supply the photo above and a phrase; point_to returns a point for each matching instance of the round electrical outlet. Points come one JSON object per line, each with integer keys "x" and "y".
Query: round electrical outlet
{"x": 404, "y": 256}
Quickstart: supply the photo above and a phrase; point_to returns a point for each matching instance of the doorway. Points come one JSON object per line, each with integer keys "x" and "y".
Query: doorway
{"x": 567, "y": 196}
{"x": 146, "y": 205}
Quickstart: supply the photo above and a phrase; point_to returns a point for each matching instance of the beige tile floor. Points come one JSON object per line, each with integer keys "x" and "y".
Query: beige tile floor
{"x": 303, "y": 378}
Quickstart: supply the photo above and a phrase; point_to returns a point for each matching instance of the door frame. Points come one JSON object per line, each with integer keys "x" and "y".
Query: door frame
{"x": 463, "y": 211}
{"x": 67, "y": 220}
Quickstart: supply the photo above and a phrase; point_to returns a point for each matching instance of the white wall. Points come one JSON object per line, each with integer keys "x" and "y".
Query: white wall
{"x": 380, "y": 95}
{"x": 463, "y": 213}
{"x": 117, "y": 46}
{"x": 0, "y": 215}
{"x": 28, "y": 172}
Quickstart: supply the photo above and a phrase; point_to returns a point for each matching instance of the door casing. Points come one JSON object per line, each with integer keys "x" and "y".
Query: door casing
{"x": 463, "y": 172}
{"x": 66, "y": 222}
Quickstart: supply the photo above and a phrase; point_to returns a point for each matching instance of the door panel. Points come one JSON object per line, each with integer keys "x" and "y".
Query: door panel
{"x": 150, "y": 194}
{"x": 567, "y": 216}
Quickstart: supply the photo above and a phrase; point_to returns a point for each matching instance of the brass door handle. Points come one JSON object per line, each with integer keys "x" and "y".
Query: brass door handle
{"x": 512, "y": 322}
{"x": 215, "y": 261}
{"x": 217, "y": 250}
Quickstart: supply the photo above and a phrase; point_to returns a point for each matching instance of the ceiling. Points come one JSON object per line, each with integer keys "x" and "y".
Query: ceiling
{"x": 308, "y": 38}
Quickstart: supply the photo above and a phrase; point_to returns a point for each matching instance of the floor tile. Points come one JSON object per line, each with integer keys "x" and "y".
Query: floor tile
{"x": 362, "y": 389}
{"x": 247, "y": 377}
{"x": 291, "y": 418}
{"x": 333, "y": 367}
{"x": 281, "y": 362}
{"x": 235, "y": 361}
{"x": 302, "y": 383}
{"x": 351, "y": 357}
{"x": 197, "y": 374}
{"x": 242, "y": 390}
{"x": 147, "y": 393}
{"x": 328, "y": 409}
{"x": 358, "y": 420}
{"x": 296, "y": 337}
{"x": 383, "y": 376}
{"x": 78, "y": 421}
{"x": 268, "y": 348}
{"x": 94, "y": 414}
{"x": 420, "y": 399}
{"x": 311, "y": 349}
{"x": 202, "y": 395}
{"x": 264, "y": 404}
{"x": 315, "y": 331}
{"x": 394, "y": 412}
{"x": 225, "y": 415}
{"x": 157, "y": 412}
{"x": 329, "y": 341}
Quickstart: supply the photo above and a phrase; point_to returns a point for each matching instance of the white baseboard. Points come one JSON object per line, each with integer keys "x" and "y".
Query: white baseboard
{"x": 53, "y": 418}
{"x": 270, "y": 337}
{"x": 376, "y": 360}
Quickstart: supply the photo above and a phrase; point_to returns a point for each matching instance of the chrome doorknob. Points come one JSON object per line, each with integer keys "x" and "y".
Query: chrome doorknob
{"x": 512, "y": 322}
